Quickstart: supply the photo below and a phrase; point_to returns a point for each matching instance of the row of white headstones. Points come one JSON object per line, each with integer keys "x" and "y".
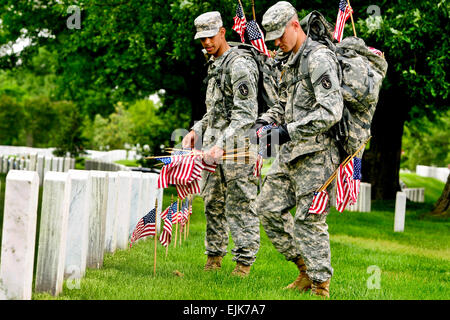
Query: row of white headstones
{"x": 83, "y": 215}
{"x": 35, "y": 162}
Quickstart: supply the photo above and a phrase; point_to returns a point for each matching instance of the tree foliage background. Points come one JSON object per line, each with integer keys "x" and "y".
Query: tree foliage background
{"x": 89, "y": 87}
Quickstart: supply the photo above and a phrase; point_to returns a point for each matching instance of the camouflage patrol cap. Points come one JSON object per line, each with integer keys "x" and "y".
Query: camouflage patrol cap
{"x": 275, "y": 19}
{"x": 208, "y": 24}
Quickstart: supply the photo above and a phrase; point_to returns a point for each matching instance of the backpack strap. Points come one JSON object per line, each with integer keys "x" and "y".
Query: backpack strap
{"x": 304, "y": 68}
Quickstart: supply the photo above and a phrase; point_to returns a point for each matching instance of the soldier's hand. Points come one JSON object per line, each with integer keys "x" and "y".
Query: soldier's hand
{"x": 214, "y": 155}
{"x": 189, "y": 140}
{"x": 258, "y": 124}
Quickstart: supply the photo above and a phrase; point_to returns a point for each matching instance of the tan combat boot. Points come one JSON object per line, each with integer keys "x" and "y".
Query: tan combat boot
{"x": 321, "y": 288}
{"x": 213, "y": 263}
{"x": 303, "y": 282}
{"x": 241, "y": 270}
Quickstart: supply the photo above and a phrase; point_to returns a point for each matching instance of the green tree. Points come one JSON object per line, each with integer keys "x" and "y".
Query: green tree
{"x": 113, "y": 131}
{"x": 128, "y": 50}
{"x": 426, "y": 143}
{"x": 68, "y": 137}
{"x": 411, "y": 34}
{"x": 11, "y": 117}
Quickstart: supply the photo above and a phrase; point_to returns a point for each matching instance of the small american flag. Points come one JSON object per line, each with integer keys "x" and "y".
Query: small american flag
{"x": 185, "y": 212}
{"x": 376, "y": 51}
{"x": 258, "y": 165}
{"x": 355, "y": 179}
{"x": 145, "y": 227}
{"x": 256, "y": 37}
{"x": 185, "y": 190}
{"x": 319, "y": 203}
{"x": 262, "y": 130}
{"x": 240, "y": 22}
{"x": 209, "y": 167}
{"x": 343, "y": 13}
{"x": 172, "y": 207}
{"x": 185, "y": 172}
{"x": 166, "y": 234}
{"x": 348, "y": 183}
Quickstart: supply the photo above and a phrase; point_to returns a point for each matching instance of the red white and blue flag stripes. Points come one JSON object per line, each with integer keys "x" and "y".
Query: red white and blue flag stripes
{"x": 145, "y": 227}
{"x": 256, "y": 37}
{"x": 343, "y": 14}
{"x": 319, "y": 203}
{"x": 166, "y": 234}
{"x": 185, "y": 172}
{"x": 240, "y": 22}
{"x": 348, "y": 183}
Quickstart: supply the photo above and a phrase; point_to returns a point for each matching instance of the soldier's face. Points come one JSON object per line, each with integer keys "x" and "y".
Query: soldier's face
{"x": 288, "y": 40}
{"x": 213, "y": 44}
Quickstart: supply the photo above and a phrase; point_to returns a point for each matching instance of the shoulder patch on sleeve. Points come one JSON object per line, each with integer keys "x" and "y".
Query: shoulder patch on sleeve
{"x": 326, "y": 82}
{"x": 243, "y": 88}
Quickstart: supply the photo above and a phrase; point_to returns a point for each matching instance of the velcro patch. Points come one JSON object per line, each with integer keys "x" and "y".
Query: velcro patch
{"x": 326, "y": 82}
{"x": 243, "y": 88}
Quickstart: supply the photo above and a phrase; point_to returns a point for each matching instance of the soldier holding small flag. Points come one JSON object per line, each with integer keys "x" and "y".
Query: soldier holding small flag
{"x": 230, "y": 191}
{"x": 310, "y": 104}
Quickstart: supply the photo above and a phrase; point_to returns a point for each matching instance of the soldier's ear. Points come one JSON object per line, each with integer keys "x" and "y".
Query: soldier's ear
{"x": 296, "y": 25}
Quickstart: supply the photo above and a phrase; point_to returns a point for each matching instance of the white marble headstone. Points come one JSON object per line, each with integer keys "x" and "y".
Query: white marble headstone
{"x": 78, "y": 224}
{"x": 400, "y": 210}
{"x": 123, "y": 207}
{"x": 97, "y": 218}
{"x": 18, "y": 235}
{"x": 135, "y": 211}
{"x": 53, "y": 233}
{"x": 111, "y": 212}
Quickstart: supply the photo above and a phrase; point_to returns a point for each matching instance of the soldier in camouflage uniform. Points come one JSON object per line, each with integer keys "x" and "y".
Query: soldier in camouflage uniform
{"x": 310, "y": 103}
{"x": 230, "y": 192}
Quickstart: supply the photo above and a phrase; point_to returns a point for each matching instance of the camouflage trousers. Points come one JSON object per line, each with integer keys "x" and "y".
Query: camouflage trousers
{"x": 230, "y": 207}
{"x": 304, "y": 234}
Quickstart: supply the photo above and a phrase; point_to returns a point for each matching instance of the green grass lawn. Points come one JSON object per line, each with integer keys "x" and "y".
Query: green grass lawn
{"x": 412, "y": 265}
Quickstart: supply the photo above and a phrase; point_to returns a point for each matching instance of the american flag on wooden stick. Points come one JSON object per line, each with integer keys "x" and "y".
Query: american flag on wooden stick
{"x": 376, "y": 51}
{"x": 145, "y": 227}
{"x": 343, "y": 14}
{"x": 347, "y": 183}
{"x": 319, "y": 203}
{"x": 166, "y": 234}
{"x": 185, "y": 172}
{"x": 256, "y": 37}
{"x": 240, "y": 22}
{"x": 172, "y": 207}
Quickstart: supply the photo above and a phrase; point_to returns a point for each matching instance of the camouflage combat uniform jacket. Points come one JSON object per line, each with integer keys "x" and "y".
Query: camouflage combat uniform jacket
{"x": 231, "y": 110}
{"x": 309, "y": 104}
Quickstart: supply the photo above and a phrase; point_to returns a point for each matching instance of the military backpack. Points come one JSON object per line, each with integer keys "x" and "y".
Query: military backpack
{"x": 362, "y": 73}
{"x": 266, "y": 73}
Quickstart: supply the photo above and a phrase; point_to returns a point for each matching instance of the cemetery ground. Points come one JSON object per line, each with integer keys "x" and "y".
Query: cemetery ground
{"x": 370, "y": 260}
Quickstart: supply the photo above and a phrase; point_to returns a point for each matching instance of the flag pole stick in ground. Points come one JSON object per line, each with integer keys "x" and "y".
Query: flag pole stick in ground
{"x": 351, "y": 17}
{"x": 346, "y": 161}
{"x": 189, "y": 216}
{"x": 156, "y": 233}
{"x": 181, "y": 227}
{"x": 176, "y": 223}
{"x": 171, "y": 201}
